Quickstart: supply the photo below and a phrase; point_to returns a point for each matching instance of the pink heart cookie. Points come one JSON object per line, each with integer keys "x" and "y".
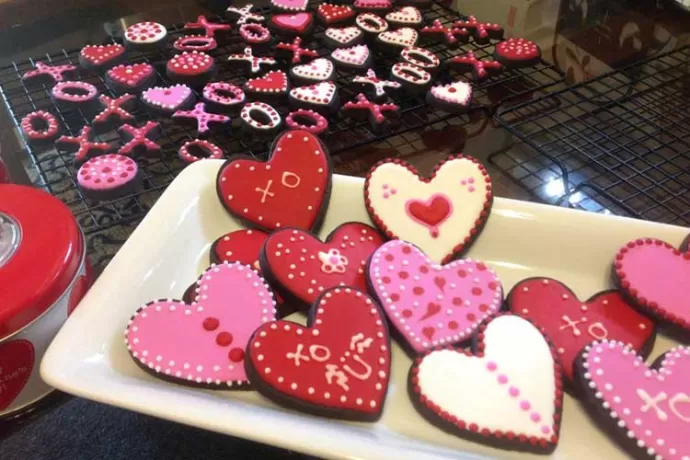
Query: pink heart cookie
{"x": 432, "y": 304}
{"x": 655, "y": 275}
{"x": 649, "y": 409}
{"x": 203, "y": 343}
{"x": 290, "y": 5}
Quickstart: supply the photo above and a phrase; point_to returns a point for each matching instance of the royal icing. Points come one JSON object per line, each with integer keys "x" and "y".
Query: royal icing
{"x": 377, "y": 112}
{"x": 195, "y": 43}
{"x": 420, "y": 57}
{"x": 290, "y": 5}
{"x": 198, "y": 149}
{"x": 441, "y": 214}
{"x": 132, "y": 75}
{"x": 429, "y": 304}
{"x": 289, "y": 190}
{"x": 215, "y": 331}
{"x": 305, "y": 266}
{"x": 255, "y": 34}
{"x": 318, "y": 69}
{"x": 74, "y": 91}
{"x": 654, "y": 274}
{"x": 649, "y": 406}
{"x": 343, "y": 35}
{"x": 100, "y": 55}
{"x": 260, "y": 116}
{"x": 451, "y": 35}
{"x": 107, "y": 172}
{"x": 273, "y": 82}
{"x": 357, "y": 55}
{"x": 373, "y": 4}
{"x": 323, "y": 93}
{"x": 307, "y": 120}
{"x": 369, "y": 22}
{"x": 139, "y": 140}
{"x": 338, "y": 366}
{"x": 225, "y": 94}
{"x": 255, "y": 62}
{"x": 190, "y": 64}
{"x": 146, "y": 32}
{"x": 203, "y": 118}
{"x": 115, "y": 109}
{"x": 378, "y": 84}
{"x": 480, "y": 68}
{"x": 55, "y": 72}
{"x": 82, "y": 145}
{"x": 458, "y": 92}
{"x": 296, "y": 50}
{"x": 241, "y": 246}
{"x": 40, "y": 126}
{"x": 245, "y": 14}
{"x": 518, "y": 49}
{"x": 297, "y": 23}
{"x": 572, "y": 324}
{"x": 169, "y": 98}
{"x": 511, "y": 387}
{"x": 210, "y": 28}
{"x": 482, "y": 31}
{"x": 408, "y": 15}
{"x": 331, "y": 14}
{"x": 405, "y": 36}
{"x": 410, "y": 74}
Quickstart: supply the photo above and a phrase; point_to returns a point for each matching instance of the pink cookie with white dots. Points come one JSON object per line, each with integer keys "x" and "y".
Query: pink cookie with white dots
{"x": 432, "y": 305}
{"x": 643, "y": 408}
{"x": 517, "y": 52}
{"x": 506, "y": 393}
{"x": 108, "y": 177}
{"x": 301, "y": 266}
{"x": 202, "y": 344}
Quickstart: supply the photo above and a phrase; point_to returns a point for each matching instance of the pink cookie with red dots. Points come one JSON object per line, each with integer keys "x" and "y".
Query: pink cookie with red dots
{"x": 108, "y": 177}
{"x": 506, "y": 393}
{"x": 432, "y": 305}
{"x": 301, "y": 266}
{"x": 203, "y": 343}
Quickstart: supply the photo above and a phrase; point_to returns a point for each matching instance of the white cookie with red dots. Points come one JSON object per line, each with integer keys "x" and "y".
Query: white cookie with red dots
{"x": 517, "y": 52}
{"x": 108, "y": 177}
{"x": 146, "y": 35}
{"x": 321, "y": 97}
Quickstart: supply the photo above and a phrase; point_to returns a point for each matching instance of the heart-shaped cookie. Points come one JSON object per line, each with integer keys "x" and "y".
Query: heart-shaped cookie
{"x": 331, "y": 14}
{"x": 457, "y": 93}
{"x": 653, "y": 274}
{"x": 430, "y": 304}
{"x": 101, "y": 55}
{"x": 323, "y": 93}
{"x": 291, "y": 189}
{"x": 241, "y": 246}
{"x": 441, "y": 215}
{"x": 203, "y": 343}
{"x": 509, "y": 394}
{"x": 290, "y": 5}
{"x": 274, "y": 83}
{"x": 168, "y": 99}
{"x": 338, "y": 366}
{"x": 317, "y": 70}
{"x": 16, "y": 365}
{"x": 408, "y": 15}
{"x": 646, "y": 409}
{"x": 572, "y": 324}
{"x": 357, "y": 55}
{"x": 131, "y": 76}
{"x": 293, "y": 23}
{"x": 304, "y": 266}
{"x": 403, "y": 37}
{"x": 343, "y": 36}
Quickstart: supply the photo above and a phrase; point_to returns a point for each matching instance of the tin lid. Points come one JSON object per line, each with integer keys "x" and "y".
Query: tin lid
{"x": 41, "y": 250}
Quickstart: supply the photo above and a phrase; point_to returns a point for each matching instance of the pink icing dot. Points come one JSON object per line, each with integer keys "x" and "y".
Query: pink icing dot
{"x": 514, "y": 392}
{"x": 545, "y": 429}
{"x": 471, "y": 180}
{"x": 524, "y": 405}
{"x": 491, "y": 366}
{"x": 393, "y": 191}
{"x": 535, "y": 417}
{"x": 385, "y": 195}
{"x": 502, "y": 379}
{"x": 463, "y": 182}
{"x": 385, "y": 186}
{"x": 471, "y": 189}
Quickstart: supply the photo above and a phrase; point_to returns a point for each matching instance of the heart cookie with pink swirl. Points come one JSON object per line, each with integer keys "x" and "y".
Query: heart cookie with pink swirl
{"x": 429, "y": 304}
{"x": 645, "y": 408}
{"x": 203, "y": 343}
{"x": 442, "y": 214}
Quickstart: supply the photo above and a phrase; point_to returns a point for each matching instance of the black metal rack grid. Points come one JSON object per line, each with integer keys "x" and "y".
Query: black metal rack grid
{"x": 55, "y": 172}
{"x": 618, "y": 144}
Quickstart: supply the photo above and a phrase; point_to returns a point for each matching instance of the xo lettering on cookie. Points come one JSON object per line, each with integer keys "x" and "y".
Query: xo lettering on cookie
{"x": 442, "y": 214}
{"x": 507, "y": 394}
{"x": 338, "y": 366}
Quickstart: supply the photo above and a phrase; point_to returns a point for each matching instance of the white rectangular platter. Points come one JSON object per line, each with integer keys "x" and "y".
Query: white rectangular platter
{"x": 170, "y": 248}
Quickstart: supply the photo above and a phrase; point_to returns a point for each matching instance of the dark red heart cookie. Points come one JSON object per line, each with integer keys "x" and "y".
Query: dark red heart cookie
{"x": 303, "y": 266}
{"x": 572, "y": 324}
{"x": 241, "y": 246}
{"x": 16, "y": 364}
{"x": 291, "y": 189}
{"x": 95, "y": 57}
{"x": 334, "y": 14}
{"x": 274, "y": 83}
{"x": 338, "y": 366}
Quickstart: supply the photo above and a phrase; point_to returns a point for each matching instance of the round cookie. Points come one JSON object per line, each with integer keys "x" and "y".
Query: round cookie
{"x": 109, "y": 177}
{"x": 40, "y": 128}
{"x": 517, "y": 53}
{"x": 193, "y": 69}
{"x": 146, "y": 36}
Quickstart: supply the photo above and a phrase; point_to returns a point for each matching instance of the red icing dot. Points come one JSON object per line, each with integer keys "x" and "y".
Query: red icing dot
{"x": 483, "y": 307}
{"x": 403, "y": 275}
{"x": 407, "y": 313}
{"x": 461, "y": 273}
{"x": 211, "y": 324}
{"x": 386, "y": 280}
{"x": 236, "y": 355}
{"x": 406, "y": 250}
{"x": 453, "y": 325}
{"x": 493, "y": 286}
{"x": 224, "y": 339}
{"x": 395, "y": 297}
{"x": 424, "y": 269}
{"x": 476, "y": 291}
{"x": 457, "y": 301}
{"x": 418, "y": 290}
{"x": 481, "y": 266}
{"x": 471, "y": 317}
{"x": 389, "y": 257}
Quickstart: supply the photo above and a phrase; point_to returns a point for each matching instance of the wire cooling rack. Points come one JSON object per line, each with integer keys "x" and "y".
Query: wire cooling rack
{"x": 54, "y": 171}
{"x": 618, "y": 144}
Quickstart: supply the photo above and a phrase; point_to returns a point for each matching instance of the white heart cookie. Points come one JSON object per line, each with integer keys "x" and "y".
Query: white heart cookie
{"x": 458, "y": 92}
{"x": 404, "y": 36}
{"x": 318, "y": 69}
{"x": 343, "y": 35}
{"x": 320, "y": 93}
{"x": 441, "y": 215}
{"x": 512, "y": 387}
{"x": 354, "y": 55}
{"x": 405, "y": 15}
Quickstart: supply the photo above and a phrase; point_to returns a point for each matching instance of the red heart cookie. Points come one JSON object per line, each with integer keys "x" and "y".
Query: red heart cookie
{"x": 302, "y": 265}
{"x": 202, "y": 343}
{"x": 131, "y": 76}
{"x": 241, "y": 246}
{"x": 331, "y": 14}
{"x": 291, "y": 189}
{"x": 274, "y": 82}
{"x": 654, "y": 275}
{"x": 101, "y": 55}
{"x": 572, "y": 324}
{"x": 338, "y": 366}
{"x": 442, "y": 214}
{"x": 16, "y": 364}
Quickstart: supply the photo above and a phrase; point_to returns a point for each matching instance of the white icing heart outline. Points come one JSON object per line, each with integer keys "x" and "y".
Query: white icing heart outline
{"x": 357, "y": 54}
{"x": 340, "y": 34}
{"x": 325, "y": 93}
{"x": 405, "y": 36}
{"x": 324, "y": 69}
{"x": 461, "y": 96}
{"x": 406, "y": 15}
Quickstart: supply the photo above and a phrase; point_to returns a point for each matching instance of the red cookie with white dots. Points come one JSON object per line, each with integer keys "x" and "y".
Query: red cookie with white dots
{"x": 291, "y": 189}
{"x": 517, "y": 52}
{"x": 337, "y": 366}
{"x": 241, "y": 246}
{"x": 131, "y": 78}
{"x": 329, "y": 14}
{"x": 572, "y": 324}
{"x": 505, "y": 392}
{"x": 192, "y": 69}
{"x": 271, "y": 86}
{"x": 109, "y": 177}
{"x": 301, "y": 266}
{"x": 40, "y": 128}
{"x": 146, "y": 36}
{"x": 99, "y": 57}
